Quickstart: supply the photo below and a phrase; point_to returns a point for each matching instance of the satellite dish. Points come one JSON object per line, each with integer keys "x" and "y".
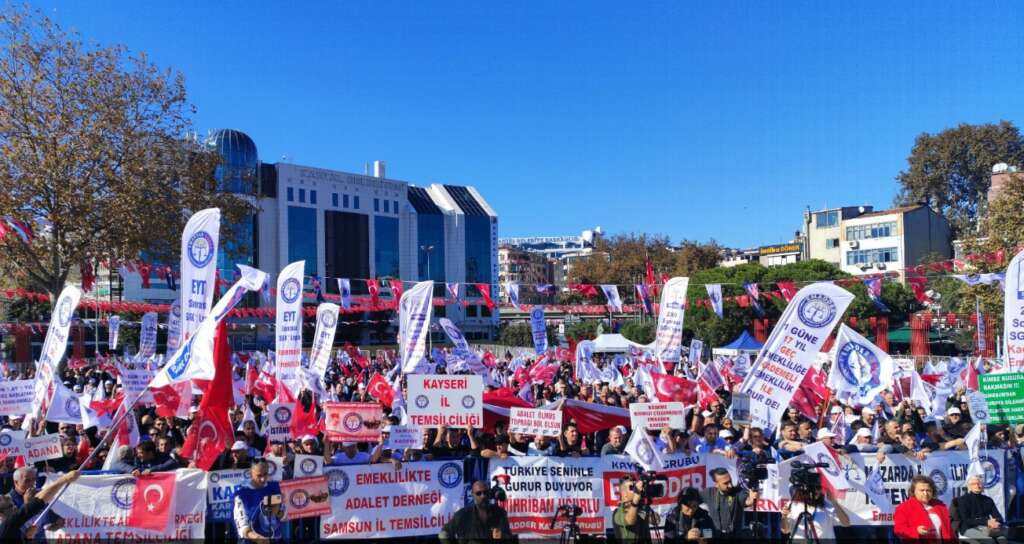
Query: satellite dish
{"x": 999, "y": 168}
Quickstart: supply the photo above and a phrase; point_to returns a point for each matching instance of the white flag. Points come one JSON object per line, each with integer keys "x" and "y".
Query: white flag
{"x": 513, "y": 293}
{"x": 323, "y": 339}
{"x": 54, "y": 346}
{"x": 199, "y": 243}
{"x": 147, "y": 336}
{"x": 973, "y": 441}
{"x": 791, "y": 350}
{"x": 860, "y": 369}
{"x": 414, "y": 311}
{"x": 455, "y": 335}
{"x": 611, "y": 292}
{"x": 668, "y": 338}
{"x": 113, "y": 330}
{"x": 642, "y": 450}
{"x": 715, "y": 295}
{"x": 174, "y": 327}
{"x": 345, "y": 290}
{"x": 874, "y": 488}
{"x": 194, "y": 359}
{"x": 65, "y": 407}
{"x": 586, "y": 371}
{"x": 288, "y": 325}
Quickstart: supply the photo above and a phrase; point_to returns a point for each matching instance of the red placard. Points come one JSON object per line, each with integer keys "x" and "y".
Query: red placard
{"x": 305, "y": 497}
{"x": 353, "y": 421}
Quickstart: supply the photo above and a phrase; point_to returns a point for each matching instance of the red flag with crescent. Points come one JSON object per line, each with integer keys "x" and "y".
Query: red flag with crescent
{"x": 380, "y": 389}
{"x": 670, "y": 388}
{"x": 153, "y": 501}
{"x": 211, "y": 432}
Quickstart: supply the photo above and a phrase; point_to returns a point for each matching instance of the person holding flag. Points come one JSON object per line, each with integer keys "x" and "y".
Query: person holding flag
{"x": 12, "y": 518}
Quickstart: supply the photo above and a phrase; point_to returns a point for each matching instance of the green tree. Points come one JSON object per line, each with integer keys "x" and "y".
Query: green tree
{"x": 952, "y": 169}
{"x": 621, "y": 259}
{"x": 520, "y": 334}
{"x": 94, "y": 153}
{"x": 584, "y": 329}
{"x": 639, "y": 331}
{"x": 692, "y": 257}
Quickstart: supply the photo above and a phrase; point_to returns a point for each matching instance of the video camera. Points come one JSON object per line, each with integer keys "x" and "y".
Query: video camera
{"x": 805, "y": 478}
{"x": 496, "y": 492}
{"x": 750, "y": 472}
{"x": 654, "y": 485}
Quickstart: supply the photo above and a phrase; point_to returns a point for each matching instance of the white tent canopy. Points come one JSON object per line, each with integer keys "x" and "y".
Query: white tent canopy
{"x": 613, "y": 343}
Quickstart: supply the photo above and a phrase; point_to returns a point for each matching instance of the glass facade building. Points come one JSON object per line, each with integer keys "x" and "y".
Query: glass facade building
{"x": 302, "y": 237}
{"x": 430, "y": 248}
{"x": 385, "y": 247}
{"x": 237, "y": 173}
{"x": 347, "y": 248}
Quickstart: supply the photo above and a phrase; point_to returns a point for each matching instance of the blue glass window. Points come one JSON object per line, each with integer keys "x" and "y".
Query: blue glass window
{"x": 312, "y": 196}
{"x": 430, "y": 230}
{"x": 302, "y": 195}
{"x": 291, "y": 194}
{"x": 395, "y": 207}
{"x": 355, "y": 202}
{"x": 385, "y": 250}
{"x": 478, "y": 249}
{"x": 344, "y": 201}
{"x": 387, "y": 206}
{"x": 334, "y": 199}
{"x": 302, "y": 236}
{"x": 376, "y": 204}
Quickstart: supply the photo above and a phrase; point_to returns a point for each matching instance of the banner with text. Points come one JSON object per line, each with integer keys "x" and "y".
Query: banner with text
{"x": 534, "y": 421}
{"x": 668, "y": 337}
{"x": 790, "y": 351}
{"x": 1004, "y": 395}
{"x": 352, "y": 421}
{"x": 414, "y": 310}
{"x": 220, "y": 493}
{"x": 1013, "y": 315}
{"x": 454, "y": 401}
{"x": 305, "y": 497}
{"x": 147, "y": 336}
{"x": 288, "y": 326}
{"x": 16, "y": 397}
{"x": 199, "y": 243}
{"x": 323, "y": 339}
{"x": 377, "y": 501}
{"x": 657, "y": 415}
{"x": 539, "y": 329}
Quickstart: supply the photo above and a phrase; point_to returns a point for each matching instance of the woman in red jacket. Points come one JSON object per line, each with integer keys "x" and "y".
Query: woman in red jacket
{"x": 923, "y": 518}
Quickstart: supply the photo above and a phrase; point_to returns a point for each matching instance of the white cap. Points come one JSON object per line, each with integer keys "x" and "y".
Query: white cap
{"x": 726, "y": 433}
{"x": 706, "y": 413}
{"x": 953, "y": 410}
{"x": 836, "y": 410}
{"x": 348, "y": 444}
{"x": 867, "y": 410}
{"x": 863, "y": 431}
{"x": 239, "y": 445}
{"x": 309, "y": 437}
{"x": 825, "y": 433}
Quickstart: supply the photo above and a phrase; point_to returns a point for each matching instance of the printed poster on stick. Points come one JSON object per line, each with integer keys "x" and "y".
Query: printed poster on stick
{"x": 353, "y": 421}
{"x": 535, "y": 421}
{"x": 305, "y": 497}
{"x": 452, "y": 401}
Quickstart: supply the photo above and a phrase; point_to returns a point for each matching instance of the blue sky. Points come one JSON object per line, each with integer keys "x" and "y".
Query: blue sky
{"x": 696, "y": 120}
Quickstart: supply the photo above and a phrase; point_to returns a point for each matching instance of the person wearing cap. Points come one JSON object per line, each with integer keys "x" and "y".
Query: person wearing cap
{"x": 710, "y": 442}
{"x": 867, "y": 419}
{"x": 236, "y": 458}
{"x": 953, "y": 424}
{"x": 687, "y": 520}
{"x": 862, "y": 441}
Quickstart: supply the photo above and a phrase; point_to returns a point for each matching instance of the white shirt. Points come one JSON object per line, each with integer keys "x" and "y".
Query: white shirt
{"x": 821, "y": 521}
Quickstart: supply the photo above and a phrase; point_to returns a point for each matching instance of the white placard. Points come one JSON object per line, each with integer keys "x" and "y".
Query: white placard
{"x": 16, "y": 397}
{"x": 535, "y": 421}
{"x": 978, "y": 406}
{"x": 453, "y": 401}
{"x": 657, "y": 415}
{"x": 12, "y": 443}
{"x": 404, "y": 437}
{"x": 307, "y": 465}
{"x": 279, "y": 421}
{"x": 41, "y": 448}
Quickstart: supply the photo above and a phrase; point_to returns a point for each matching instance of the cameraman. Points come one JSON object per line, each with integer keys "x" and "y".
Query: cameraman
{"x": 631, "y": 523}
{"x": 258, "y": 509}
{"x": 687, "y": 520}
{"x": 479, "y": 522}
{"x": 726, "y": 503}
{"x": 820, "y": 513}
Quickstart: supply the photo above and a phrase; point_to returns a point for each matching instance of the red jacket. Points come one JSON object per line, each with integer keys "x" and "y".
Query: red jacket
{"x": 911, "y": 514}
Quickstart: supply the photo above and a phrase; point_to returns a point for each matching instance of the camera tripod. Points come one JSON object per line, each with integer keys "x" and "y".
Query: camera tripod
{"x": 571, "y": 530}
{"x": 806, "y": 520}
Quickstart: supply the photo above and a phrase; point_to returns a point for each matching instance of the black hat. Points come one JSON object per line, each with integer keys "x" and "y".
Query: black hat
{"x": 690, "y": 495}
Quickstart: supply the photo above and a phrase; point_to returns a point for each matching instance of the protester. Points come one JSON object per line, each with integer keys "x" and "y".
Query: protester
{"x": 687, "y": 520}
{"x": 632, "y": 524}
{"x": 922, "y": 517}
{"x": 975, "y": 516}
{"x": 15, "y": 517}
{"x": 478, "y": 522}
{"x": 259, "y": 509}
{"x": 725, "y": 504}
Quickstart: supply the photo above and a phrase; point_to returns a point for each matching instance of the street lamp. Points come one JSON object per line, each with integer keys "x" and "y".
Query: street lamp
{"x": 427, "y": 249}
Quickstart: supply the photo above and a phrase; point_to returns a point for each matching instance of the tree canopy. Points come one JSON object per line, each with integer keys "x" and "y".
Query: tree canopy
{"x": 621, "y": 259}
{"x": 94, "y": 154}
{"x": 952, "y": 169}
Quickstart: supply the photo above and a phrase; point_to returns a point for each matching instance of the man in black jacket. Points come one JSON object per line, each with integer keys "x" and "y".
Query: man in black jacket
{"x": 479, "y": 522}
{"x": 14, "y": 517}
{"x": 975, "y": 515}
{"x": 688, "y": 521}
{"x": 725, "y": 504}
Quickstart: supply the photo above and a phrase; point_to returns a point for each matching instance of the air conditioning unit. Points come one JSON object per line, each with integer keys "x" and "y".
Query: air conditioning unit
{"x": 853, "y": 244}
{"x": 880, "y": 266}
{"x": 865, "y": 267}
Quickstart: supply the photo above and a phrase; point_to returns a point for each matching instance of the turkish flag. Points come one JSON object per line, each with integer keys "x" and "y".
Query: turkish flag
{"x": 396, "y": 289}
{"x": 380, "y": 389}
{"x": 211, "y": 431}
{"x": 706, "y": 394}
{"x": 485, "y": 293}
{"x": 173, "y": 400}
{"x": 811, "y": 393}
{"x": 304, "y": 421}
{"x": 788, "y": 289}
{"x": 672, "y": 389}
{"x": 373, "y": 286}
{"x": 591, "y": 417}
{"x": 153, "y": 501}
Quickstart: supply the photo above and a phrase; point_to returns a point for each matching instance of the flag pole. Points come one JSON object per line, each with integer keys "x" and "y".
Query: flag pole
{"x": 92, "y": 454}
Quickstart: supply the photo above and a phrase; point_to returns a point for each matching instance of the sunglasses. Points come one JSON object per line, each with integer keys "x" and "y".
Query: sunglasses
{"x": 479, "y": 493}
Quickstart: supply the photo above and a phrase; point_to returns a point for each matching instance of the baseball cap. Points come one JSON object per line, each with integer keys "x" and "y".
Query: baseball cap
{"x": 825, "y": 433}
{"x": 348, "y": 444}
{"x": 868, "y": 410}
{"x": 239, "y": 445}
{"x": 953, "y": 410}
{"x": 863, "y": 431}
{"x": 309, "y": 437}
{"x": 726, "y": 433}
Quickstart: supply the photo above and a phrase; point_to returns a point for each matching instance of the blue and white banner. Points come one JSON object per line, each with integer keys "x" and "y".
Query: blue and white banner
{"x": 345, "y": 290}
{"x": 193, "y": 360}
{"x": 174, "y": 327}
{"x": 147, "y": 336}
{"x": 1013, "y": 310}
{"x": 696, "y": 351}
{"x": 982, "y": 279}
{"x": 611, "y": 292}
{"x": 982, "y": 342}
{"x": 754, "y": 291}
{"x": 874, "y": 286}
{"x": 54, "y": 346}
{"x": 539, "y": 329}
{"x": 643, "y": 293}
{"x": 323, "y": 338}
{"x": 455, "y": 335}
{"x": 668, "y": 338}
{"x": 586, "y": 370}
{"x": 860, "y": 369}
{"x": 715, "y": 295}
{"x": 513, "y": 293}
{"x": 414, "y": 311}
{"x": 199, "y": 243}
{"x": 790, "y": 351}
{"x": 113, "y": 331}
{"x": 288, "y": 325}
{"x": 453, "y": 290}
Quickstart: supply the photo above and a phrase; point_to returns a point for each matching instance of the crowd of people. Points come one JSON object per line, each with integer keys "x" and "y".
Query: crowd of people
{"x": 893, "y": 425}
